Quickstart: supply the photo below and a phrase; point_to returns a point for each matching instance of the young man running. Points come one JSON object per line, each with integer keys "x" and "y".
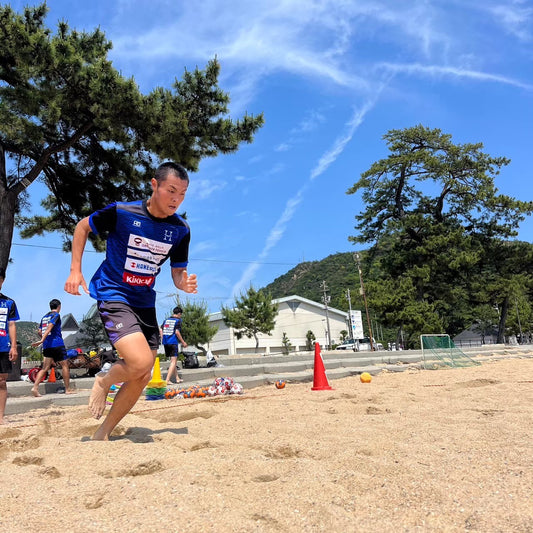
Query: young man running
{"x": 141, "y": 236}
{"x": 53, "y": 347}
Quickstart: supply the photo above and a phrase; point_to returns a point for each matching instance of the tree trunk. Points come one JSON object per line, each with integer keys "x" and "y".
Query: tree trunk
{"x": 8, "y": 203}
{"x": 503, "y": 320}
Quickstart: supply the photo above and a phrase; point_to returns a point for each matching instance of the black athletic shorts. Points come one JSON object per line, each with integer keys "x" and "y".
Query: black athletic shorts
{"x": 57, "y": 354}
{"x": 120, "y": 319}
{"x": 171, "y": 350}
{"x": 5, "y": 364}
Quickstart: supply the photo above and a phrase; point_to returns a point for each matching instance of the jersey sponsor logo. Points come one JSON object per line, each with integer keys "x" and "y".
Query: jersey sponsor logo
{"x": 3, "y": 333}
{"x": 3, "y": 310}
{"x": 135, "y": 279}
{"x": 156, "y": 247}
{"x": 137, "y": 223}
{"x": 140, "y": 266}
{"x": 146, "y": 255}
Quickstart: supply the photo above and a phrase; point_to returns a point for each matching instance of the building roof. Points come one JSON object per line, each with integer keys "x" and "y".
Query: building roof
{"x": 293, "y": 302}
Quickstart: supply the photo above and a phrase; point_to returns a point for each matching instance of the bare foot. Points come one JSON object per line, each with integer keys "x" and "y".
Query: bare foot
{"x": 35, "y": 392}
{"x": 100, "y": 435}
{"x": 98, "y": 398}
{"x": 70, "y": 391}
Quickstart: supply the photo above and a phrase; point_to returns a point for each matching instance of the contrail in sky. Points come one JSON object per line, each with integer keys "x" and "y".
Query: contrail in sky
{"x": 327, "y": 159}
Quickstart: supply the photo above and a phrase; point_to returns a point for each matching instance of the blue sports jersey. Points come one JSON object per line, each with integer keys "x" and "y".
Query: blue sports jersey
{"x": 169, "y": 328}
{"x": 137, "y": 245}
{"x": 54, "y": 339}
{"x": 8, "y": 312}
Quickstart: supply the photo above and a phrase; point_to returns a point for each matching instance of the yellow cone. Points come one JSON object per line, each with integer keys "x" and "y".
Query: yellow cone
{"x": 157, "y": 380}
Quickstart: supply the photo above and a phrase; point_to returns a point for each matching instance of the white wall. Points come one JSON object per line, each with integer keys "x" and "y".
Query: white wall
{"x": 296, "y": 317}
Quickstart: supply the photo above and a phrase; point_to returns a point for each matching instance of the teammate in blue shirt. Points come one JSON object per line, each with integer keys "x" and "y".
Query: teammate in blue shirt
{"x": 8, "y": 341}
{"x": 53, "y": 347}
{"x": 171, "y": 333}
{"x": 141, "y": 236}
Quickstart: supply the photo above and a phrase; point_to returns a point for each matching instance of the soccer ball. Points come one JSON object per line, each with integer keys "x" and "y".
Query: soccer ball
{"x": 365, "y": 377}
{"x": 237, "y": 388}
{"x": 280, "y": 384}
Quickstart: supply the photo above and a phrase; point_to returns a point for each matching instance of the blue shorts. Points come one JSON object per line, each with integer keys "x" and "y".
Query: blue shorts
{"x": 120, "y": 319}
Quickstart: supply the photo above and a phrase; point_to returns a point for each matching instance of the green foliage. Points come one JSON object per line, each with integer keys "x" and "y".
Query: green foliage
{"x": 253, "y": 313}
{"x": 195, "y": 327}
{"x": 432, "y": 212}
{"x": 337, "y": 270}
{"x": 27, "y": 332}
{"x": 286, "y": 344}
{"x": 69, "y": 118}
{"x": 91, "y": 334}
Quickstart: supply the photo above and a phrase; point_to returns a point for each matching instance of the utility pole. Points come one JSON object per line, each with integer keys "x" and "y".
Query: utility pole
{"x": 350, "y": 315}
{"x": 326, "y": 298}
{"x": 363, "y": 294}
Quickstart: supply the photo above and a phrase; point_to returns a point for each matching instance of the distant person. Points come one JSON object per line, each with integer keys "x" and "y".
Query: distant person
{"x": 141, "y": 236}
{"x": 211, "y": 359}
{"x": 53, "y": 347}
{"x": 8, "y": 342}
{"x": 171, "y": 333}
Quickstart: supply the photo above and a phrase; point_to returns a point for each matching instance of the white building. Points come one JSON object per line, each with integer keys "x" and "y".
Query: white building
{"x": 295, "y": 318}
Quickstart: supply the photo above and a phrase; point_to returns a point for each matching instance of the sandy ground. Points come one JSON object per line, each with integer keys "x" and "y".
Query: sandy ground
{"x": 443, "y": 450}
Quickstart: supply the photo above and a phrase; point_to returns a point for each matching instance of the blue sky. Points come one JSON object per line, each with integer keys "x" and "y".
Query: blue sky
{"x": 331, "y": 77}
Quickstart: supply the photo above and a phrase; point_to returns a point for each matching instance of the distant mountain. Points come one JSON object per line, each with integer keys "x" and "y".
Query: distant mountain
{"x": 340, "y": 273}
{"x": 27, "y": 332}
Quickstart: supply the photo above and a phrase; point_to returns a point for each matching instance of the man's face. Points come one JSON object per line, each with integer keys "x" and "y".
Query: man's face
{"x": 167, "y": 196}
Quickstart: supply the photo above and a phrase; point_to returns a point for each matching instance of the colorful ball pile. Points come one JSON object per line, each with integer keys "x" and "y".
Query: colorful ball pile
{"x": 220, "y": 387}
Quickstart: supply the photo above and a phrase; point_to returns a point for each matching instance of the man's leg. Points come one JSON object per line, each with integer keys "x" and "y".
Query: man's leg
{"x": 3, "y": 396}
{"x": 47, "y": 364}
{"x": 65, "y": 372}
{"x": 133, "y": 371}
{"x": 172, "y": 369}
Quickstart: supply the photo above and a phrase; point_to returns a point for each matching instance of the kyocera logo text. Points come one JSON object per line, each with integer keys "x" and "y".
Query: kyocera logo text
{"x": 131, "y": 279}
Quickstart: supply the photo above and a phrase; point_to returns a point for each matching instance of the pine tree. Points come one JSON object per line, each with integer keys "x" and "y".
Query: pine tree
{"x": 195, "y": 327}
{"x": 70, "y": 119}
{"x": 253, "y": 313}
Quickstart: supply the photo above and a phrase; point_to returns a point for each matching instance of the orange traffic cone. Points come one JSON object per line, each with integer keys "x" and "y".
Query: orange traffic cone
{"x": 320, "y": 381}
{"x": 52, "y": 376}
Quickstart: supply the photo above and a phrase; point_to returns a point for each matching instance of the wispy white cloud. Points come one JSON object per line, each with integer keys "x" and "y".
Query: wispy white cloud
{"x": 283, "y": 147}
{"x": 202, "y": 188}
{"x": 456, "y": 72}
{"x": 516, "y": 18}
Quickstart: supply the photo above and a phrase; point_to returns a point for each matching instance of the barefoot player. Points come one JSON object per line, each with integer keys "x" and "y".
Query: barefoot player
{"x": 141, "y": 235}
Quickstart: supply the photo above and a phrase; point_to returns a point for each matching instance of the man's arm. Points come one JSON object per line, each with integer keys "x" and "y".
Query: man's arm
{"x": 45, "y": 334}
{"x": 183, "y": 281}
{"x": 79, "y": 240}
{"x": 13, "y": 352}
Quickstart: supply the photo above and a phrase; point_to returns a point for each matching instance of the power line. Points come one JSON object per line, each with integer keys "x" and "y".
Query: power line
{"x": 191, "y": 259}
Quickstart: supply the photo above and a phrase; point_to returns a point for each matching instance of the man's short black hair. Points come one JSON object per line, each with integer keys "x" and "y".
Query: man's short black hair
{"x": 177, "y": 311}
{"x": 169, "y": 167}
{"x": 54, "y": 304}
